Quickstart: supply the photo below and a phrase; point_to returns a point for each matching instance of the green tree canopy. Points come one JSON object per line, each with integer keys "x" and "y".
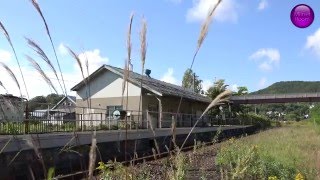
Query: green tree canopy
{"x": 242, "y": 90}
{"x": 191, "y": 81}
{"x": 218, "y": 87}
{"x": 42, "y": 102}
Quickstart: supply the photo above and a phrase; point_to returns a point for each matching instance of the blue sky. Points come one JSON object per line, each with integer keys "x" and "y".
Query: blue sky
{"x": 250, "y": 43}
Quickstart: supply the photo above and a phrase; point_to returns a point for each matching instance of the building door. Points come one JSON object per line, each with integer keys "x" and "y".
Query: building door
{"x": 153, "y": 115}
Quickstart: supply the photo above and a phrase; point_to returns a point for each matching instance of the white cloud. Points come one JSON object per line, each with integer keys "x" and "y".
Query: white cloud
{"x": 168, "y": 77}
{"x": 206, "y": 84}
{"x": 62, "y": 49}
{"x": 263, "y": 5}
{"x": 268, "y": 58}
{"x": 262, "y": 82}
{"x": 313, "y": 43}
{"x": 265, "y": 66}
{"x": 234, "y": 88}
{"x": 5, "y": 56}
{"x": 226, "y": 11}
{"x": 95, "y": 60}
{"x": 37, "y": 86}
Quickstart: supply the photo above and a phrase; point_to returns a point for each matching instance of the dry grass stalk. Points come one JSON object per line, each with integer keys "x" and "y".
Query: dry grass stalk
{"x": 76, "y": 57}
{"x": 92, "y": 156}
{"x": 143, "y": 41}
{"x": 129, "y": 44}
{"x": 88, "y": 79}
{"x": 4, "y": 147}
{"x": 143, "y": 52}
{"x": 204, "y": 29}
{"x": 11, "y": 74}
{"x": 85, "y": 80}
{"x": 6, "y": 34}
{"x": 37, "y": 67}
{"x": 221, "y": 97}
{"x": 35, "y": 144}
{"x": 127, "y": 61}
{"x": 37, "y": 7}
{"x": 125, "y": 80}
{"x": 1, "y": 84}
{"x": 44, "y": 57}
{"x": 125, "y": 77}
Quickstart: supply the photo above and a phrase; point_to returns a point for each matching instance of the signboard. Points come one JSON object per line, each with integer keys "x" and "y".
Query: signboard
{"x": 116, "y": 114}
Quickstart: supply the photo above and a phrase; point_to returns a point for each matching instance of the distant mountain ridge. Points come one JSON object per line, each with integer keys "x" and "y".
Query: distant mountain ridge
{"x": 285, "y": 87}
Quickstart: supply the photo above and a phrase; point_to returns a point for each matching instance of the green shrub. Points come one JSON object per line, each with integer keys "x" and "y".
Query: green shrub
{"x": 259, "y": 121}
{"x": 238, "y": 161}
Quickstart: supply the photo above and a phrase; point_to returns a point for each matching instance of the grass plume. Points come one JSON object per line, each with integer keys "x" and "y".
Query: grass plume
{"x": 204, "y": 30}
{"x": 143, "y": 41}
{"x": 11, "y": 74}
{"x": 220, "y": 98}
{"x": 1, "y": 84}
{"x": 37, "y": 7}
{"x": 129, "y": 44}
{"x": 77, "y": 58}
{"x": 128, "y": 60}
{"x": 6, "y": 34}
{"x": 44, "y": 57}
{"x": 37, "y": 67}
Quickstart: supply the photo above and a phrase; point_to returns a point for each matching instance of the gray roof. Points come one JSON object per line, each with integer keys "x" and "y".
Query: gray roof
{"x": 158, "y": 87}
{"x": 71, "y": 98}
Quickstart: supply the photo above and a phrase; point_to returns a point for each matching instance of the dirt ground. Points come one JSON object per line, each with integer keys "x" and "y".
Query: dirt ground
{"x": 201, "y": 165}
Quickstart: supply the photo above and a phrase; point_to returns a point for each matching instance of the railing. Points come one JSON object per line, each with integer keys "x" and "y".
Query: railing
{"x": 276, "y": 96}
{"x": 100, "y": 121}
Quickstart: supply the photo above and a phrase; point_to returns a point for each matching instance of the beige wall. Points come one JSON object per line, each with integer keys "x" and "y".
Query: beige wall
{"x": 106, "y": 85}
{"x": 99, "y": 105}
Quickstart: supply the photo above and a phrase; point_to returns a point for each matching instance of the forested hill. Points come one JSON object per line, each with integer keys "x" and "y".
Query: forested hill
{"x": 290, "y": 87}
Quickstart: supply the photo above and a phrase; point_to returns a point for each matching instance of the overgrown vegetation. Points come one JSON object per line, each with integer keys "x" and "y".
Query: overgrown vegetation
{"x": 280, "y": 153}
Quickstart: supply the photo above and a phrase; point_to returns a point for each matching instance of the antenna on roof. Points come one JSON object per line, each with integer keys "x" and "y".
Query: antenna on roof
{"x": 148, "y": 72}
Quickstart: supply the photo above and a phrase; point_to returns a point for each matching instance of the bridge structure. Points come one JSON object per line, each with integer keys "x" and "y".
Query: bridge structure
{"x": 276, "y": 98}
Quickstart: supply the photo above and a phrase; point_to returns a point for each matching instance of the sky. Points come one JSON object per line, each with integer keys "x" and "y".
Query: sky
{"x": 250, "y": 43}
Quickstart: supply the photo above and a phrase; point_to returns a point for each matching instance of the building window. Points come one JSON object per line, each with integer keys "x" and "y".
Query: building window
{"x": 69, "y": 104}
{"x": 110, "y": 110}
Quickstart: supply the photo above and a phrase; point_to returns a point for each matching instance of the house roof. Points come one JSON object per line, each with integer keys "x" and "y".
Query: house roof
{"x": 71, "y": 98}
{"x": 155, "y": 86}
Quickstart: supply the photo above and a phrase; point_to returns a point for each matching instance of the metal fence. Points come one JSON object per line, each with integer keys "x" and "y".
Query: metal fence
{"x": 48, "y": 122}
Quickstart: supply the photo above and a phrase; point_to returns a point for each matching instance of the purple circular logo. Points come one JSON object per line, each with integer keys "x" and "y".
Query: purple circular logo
{"x": 302, "y": 16}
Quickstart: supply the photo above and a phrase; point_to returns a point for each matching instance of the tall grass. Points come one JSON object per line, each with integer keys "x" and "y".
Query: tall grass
{"x": 38, "y": 68}
{"x": 38, "y": 9}
{"x": 281, "y": 152}
{"x": 5, "y": 32}
{"x": 201, "y": 38}
{"x": 44, "y": 57}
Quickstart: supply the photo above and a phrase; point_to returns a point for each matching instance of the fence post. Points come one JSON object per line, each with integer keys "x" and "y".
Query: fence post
{"x": 26, "y": 128}
{"x": 100, "y": 120}
{"x": 147, "y": 119}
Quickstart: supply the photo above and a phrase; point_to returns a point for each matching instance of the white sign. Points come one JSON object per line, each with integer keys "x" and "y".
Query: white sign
{"x": 116, "y": 114}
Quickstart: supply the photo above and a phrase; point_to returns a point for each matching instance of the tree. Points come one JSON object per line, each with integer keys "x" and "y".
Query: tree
{"x": 242, "y": 90}
{"x": 42, "y": 102}
{"x": 38, "y": 102}
{"x": 218, "y": 87}
{"x": 53, "y": 99}
{"x": 191, "y": 81}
